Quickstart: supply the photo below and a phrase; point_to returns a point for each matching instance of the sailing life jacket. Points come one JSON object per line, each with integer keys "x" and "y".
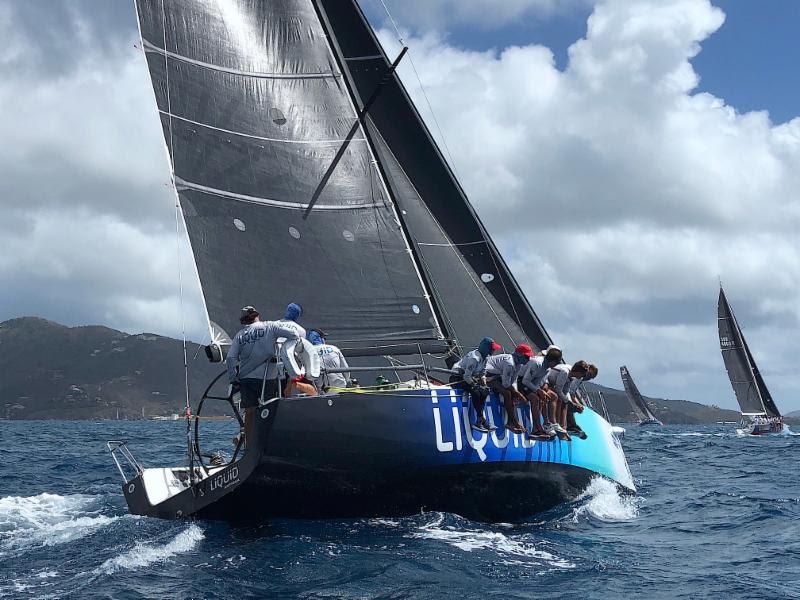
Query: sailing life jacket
{"x": 504, "y": 368}
{"x": 331, "y": 358}
{"x": 471, "y": 366}
{"x": 254, "y": 345}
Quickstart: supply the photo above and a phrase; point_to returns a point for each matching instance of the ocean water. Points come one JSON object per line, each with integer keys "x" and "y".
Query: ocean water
{"x": 718, "y": 514}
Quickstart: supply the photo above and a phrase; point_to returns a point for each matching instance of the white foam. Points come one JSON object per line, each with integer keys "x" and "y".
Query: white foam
{"x": 469, "y": 541}
{"x": 47, "y": 520}
{"x": 144, "y": 554}
{"x": 603, "y": 501}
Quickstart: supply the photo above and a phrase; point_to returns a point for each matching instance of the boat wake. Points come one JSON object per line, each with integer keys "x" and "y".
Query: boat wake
{"x": 524, "y": 550}
{"x": 603, "y": 501}
{"x": 47, "y": 520}
{"x": 144, "y": 554}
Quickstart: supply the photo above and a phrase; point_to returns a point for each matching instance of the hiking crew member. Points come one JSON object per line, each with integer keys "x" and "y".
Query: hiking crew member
{"x": 470, "y": 376}
{"x": 532, "y": 383}
{"x": 331, "y": 358}
{"x": 251, "y": 357}
{"x": 577, "y": 401}
{"x": 559, "y": 379}
{"x": 502, "y": 371}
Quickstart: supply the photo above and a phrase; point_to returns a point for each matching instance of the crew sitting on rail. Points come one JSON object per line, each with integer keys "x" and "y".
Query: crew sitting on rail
{"x": 470, "y": 376}
{"x": 559, "y": 379}
{"x": 251, "y": 361}
{"x": 578, "y": 404}
{"x": 502, "y": 371}
{"x": 331, "y": 358}
{"x": 533, "y": 385}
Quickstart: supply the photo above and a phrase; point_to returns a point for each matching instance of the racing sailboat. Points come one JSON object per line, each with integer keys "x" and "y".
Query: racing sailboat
{"x": 760, "y": 415}
{"x": 640, "y": 407}
{"x": 304, "y": 173}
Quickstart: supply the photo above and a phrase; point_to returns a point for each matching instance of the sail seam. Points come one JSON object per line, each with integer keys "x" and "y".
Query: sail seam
{"x": 150, "y": 47}
{"x": 182, "y": 184}
{"x": 254, "y": 137}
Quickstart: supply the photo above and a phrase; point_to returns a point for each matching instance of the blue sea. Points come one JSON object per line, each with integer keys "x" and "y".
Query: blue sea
{"x": 717, "y": 515}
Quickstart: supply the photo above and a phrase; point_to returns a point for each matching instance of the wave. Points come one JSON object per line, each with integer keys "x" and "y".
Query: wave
{"x": 47, "y": 520}
{"x": 471, "y": 540}
{"x": 602, "y": 500}
{"x": 144, "y": 554}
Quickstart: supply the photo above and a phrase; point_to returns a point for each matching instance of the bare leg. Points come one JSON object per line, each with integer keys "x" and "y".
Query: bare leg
{"x": 536, "y": 413}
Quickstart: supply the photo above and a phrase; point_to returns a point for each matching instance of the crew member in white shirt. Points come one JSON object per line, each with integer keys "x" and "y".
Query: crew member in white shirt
{"x": 502, "y": 371}
{"x": 532, "y": 381}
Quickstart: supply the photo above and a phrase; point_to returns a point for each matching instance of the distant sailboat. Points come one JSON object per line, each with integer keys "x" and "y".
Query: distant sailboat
{"x": 760, "y": 415}
{"x": 643, "y": 412}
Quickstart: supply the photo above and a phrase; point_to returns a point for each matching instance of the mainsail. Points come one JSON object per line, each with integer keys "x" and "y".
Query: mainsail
{"x": 635, "y": 397}
{"x": 748, "y": 384}
{"x": 374, "y": 238}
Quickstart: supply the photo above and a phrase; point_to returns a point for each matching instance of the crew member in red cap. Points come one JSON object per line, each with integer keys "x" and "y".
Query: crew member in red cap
{"x": 502, "y": 371}
{"x": 469, "y": 375}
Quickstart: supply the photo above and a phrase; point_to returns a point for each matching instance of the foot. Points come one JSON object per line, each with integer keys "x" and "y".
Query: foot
{"x": 575, "y": 430}
{"x": 540, "y": 436}
{"x": 515, "y": 428}
{"x": 480, "y": 426}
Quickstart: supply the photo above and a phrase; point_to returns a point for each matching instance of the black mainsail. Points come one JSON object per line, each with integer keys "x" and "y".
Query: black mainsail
{"x": 635, "y": 397}
{"x": 748, "y": 385}
{"x": 256, "y": 101}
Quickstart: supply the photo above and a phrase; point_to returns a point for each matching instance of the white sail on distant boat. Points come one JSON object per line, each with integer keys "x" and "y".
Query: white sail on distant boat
{"x": 760, "y": 415}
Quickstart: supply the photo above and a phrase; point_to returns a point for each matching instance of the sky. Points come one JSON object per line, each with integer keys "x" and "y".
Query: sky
{"x": 624, "y": 155}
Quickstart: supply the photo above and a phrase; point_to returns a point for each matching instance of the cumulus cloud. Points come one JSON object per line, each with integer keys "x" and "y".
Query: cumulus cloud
{"x": 619, "y": 195}
{"x": 87, "y": 226}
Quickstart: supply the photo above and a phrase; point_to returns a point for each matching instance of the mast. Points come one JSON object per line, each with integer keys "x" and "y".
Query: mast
{"x": 356, "y": 102}
{"x": 474, "y": 288}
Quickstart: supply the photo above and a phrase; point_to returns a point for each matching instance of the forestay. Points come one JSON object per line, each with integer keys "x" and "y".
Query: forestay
{"x": 471, "y": 283}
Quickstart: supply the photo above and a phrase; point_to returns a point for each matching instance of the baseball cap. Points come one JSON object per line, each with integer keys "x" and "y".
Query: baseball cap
{"x": 524, "y": 350}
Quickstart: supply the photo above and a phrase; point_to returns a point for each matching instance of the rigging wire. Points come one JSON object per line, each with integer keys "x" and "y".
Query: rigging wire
{"x": 453, "y": 167}
{"x": 422, "y": 89}
{"x": 188, "y": 409}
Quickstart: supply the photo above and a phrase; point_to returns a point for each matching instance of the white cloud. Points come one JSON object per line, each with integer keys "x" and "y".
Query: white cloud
{"x": 619, "y": 195}
{"x": 616, "y": 193}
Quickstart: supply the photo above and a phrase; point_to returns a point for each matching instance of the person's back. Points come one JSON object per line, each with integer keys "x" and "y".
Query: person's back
{"x": 502, "y": 366}
{"x": 331, "y": 359}
{"x": 254, "y": 345}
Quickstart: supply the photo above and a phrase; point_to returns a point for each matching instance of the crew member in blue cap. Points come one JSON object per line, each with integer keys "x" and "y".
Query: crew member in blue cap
{"x": 469, "y": 376}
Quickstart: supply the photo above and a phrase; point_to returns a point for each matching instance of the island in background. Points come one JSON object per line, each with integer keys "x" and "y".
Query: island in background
{"x": 51, "y": 371}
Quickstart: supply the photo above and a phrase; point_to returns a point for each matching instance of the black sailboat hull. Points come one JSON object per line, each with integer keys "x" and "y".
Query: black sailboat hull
{"x": 395, "y": 453}
{"x": 489, "y": 492}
